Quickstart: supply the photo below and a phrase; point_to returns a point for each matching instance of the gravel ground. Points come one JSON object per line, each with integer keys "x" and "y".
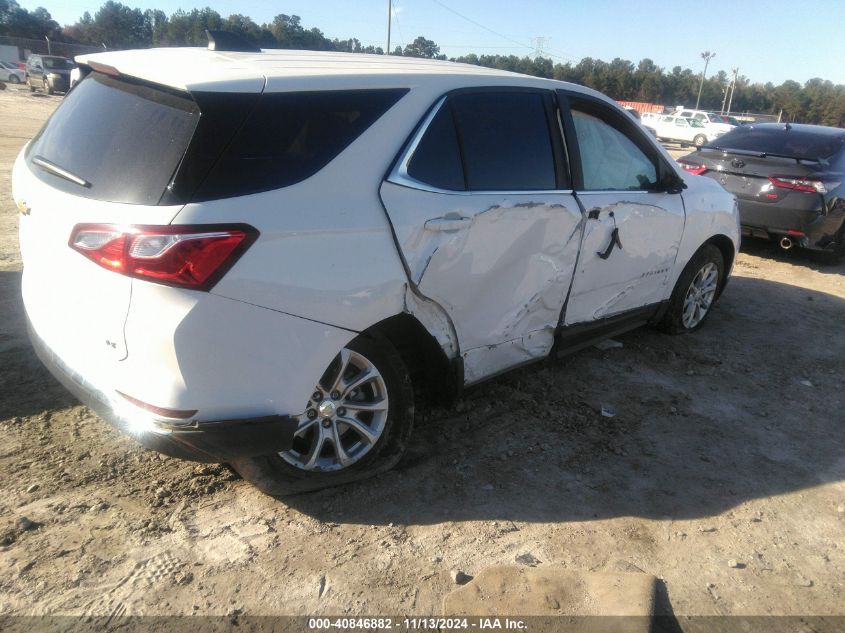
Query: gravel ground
{"x": 721, "y": 474}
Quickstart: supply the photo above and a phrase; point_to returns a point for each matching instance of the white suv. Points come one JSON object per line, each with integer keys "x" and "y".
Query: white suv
{"x": 264, "y": 257}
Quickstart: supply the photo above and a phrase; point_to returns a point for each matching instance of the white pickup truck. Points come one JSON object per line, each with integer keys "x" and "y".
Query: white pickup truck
{"x": 682, "y": 130}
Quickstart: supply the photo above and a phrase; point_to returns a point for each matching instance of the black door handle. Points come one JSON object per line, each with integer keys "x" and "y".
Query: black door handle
{"x": 614, "y": 241}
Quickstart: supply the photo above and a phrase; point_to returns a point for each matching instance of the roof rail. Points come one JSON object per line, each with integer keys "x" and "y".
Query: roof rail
{"x": 228, "y": 41}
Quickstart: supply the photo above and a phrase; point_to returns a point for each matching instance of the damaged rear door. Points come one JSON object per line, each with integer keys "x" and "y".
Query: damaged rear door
{"x": 487, "y": 222}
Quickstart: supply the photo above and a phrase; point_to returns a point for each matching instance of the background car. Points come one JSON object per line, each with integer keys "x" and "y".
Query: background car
{"x": 48, "y": 73}
{"x": 10, "y": 72}
{"x": 712, "y": 122}
{"x": 726, "y": 119}
{"x": 682, "y": 130}
{"x": 788, "y": 180}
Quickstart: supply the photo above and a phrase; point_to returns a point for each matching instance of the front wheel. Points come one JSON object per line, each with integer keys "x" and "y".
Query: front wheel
{"x": 696, "y": 291}
{"x": 13, "y": 79}
{"x": 699, "y": 140}
{"x": 48, "y": 88}
{"x": 356, "y": 424}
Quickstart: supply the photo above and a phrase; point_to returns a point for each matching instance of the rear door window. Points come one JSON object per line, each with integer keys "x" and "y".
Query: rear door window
{"x": 437, "y": 158}
{"x": 124, "y": 140}
{"x": 505, "y": 140}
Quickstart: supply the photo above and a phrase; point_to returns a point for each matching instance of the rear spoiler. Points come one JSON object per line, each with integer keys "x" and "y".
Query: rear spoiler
{"x": 742, "y": 152}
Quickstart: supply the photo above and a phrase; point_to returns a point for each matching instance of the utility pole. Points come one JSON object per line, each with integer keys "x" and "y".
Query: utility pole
{"x": 389, "y": 11}
{"x": 49, "y": 51}
{"x": 706, "y": 56}
{"x": 733, "y": 87}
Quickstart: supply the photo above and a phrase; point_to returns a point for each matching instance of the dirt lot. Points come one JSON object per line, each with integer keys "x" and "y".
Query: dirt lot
{"x": 722, "y": 473}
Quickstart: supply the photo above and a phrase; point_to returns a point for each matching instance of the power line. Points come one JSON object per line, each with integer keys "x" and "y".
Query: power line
{"x": 479, "y": 25}
{"x": 548, "y": 53}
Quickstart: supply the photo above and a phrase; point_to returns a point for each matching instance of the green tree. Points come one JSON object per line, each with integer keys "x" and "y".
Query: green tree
{"x": 421, "y": 47}
{"x": 17, "y": 21}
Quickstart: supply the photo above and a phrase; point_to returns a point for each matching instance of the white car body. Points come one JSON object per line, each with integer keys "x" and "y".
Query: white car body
{"x": 492, "y": 276}
{"x": 710, "y": 122}
{"x": 682, "y": 130}
{"x": 11, "y": 72}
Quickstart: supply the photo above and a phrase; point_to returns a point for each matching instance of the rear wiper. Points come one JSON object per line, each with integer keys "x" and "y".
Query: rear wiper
{"x": 54, "y": 169}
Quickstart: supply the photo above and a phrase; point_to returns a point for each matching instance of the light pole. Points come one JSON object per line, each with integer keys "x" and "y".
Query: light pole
{"x": 49, "y": 50}
{"x": 706, "y": 56}
{"x": 389, "y": 9}
{"x": 733, "y": 87}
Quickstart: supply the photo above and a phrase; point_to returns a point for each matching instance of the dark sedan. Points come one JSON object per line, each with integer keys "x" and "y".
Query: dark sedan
{"x": 789, "y": 180}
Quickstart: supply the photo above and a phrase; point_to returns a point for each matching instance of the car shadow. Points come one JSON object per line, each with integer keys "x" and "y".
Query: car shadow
{"x": 797, "y": 256}
{"x": 26, "y": 387}
{"x": 701, "y": 423}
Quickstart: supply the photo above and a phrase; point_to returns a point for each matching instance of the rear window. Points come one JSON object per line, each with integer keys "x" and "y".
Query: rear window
{"x": 291, "y": 136}
{"x": 57, "y": 63}
{"x": 793, "y": 142}
{"x": 123, "y": 139}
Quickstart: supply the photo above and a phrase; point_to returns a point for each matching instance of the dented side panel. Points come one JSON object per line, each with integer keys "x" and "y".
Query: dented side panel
{"x": 499, "y": 264}
{"x": 650, "y": 227}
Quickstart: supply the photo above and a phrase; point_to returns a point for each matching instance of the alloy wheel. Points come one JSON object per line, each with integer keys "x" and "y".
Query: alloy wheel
{"x": 345, "y": 416}
{"x": 700, "y": 295}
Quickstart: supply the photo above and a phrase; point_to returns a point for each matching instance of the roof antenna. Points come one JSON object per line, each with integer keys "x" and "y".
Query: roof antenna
{"x": 228, "y": 41}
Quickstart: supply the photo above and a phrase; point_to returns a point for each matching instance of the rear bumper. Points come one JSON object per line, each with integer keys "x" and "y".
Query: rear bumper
{"x": 61, "y": 84}
{"x": 216, "y": 441}
{"x": 809, "y": 228}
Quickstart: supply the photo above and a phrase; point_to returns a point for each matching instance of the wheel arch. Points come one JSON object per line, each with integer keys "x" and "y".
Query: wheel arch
{"x": 436, "y": 377}
{"x": 726, "y": 247}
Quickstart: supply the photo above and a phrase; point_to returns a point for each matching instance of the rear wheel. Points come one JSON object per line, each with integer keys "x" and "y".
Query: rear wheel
{"x": 696, "y": 291}
{"x": 699, "y": 140}
{"x": 13, "y": 79}
{"x": 356, "y": 424}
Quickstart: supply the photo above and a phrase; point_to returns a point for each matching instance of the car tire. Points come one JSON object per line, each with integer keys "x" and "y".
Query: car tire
{"x": 696, "y": 292}
{"x": 13, "y": 79}
{"x": 29, "y": 83}
{"x": 297, "y": 470}
{"x": 48, "y": 88}
{"x": 699, "y": 140}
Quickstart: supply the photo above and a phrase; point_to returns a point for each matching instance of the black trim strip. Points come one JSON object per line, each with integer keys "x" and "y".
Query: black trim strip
{"x": 576, "y": 337}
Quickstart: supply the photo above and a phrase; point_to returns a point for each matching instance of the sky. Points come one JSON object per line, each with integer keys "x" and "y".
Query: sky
{"x": 769, "y": 41}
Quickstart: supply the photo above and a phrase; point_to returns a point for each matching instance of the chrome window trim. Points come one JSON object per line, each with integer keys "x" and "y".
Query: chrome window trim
{"x": 616, "y": 191}
{"x": 399, "y": 174}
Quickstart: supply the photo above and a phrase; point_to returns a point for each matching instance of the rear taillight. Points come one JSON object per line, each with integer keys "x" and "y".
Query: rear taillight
{"x": 191, "y": 256}
{"x": 691, "y": 167}
{"x": 807, "y": 185}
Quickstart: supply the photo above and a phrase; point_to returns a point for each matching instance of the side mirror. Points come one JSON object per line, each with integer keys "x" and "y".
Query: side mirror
{"x": 670, "y": 183}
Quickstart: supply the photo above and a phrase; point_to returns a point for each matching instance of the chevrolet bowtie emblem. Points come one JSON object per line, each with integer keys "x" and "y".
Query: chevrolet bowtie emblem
{"x": 22, "y": 207}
